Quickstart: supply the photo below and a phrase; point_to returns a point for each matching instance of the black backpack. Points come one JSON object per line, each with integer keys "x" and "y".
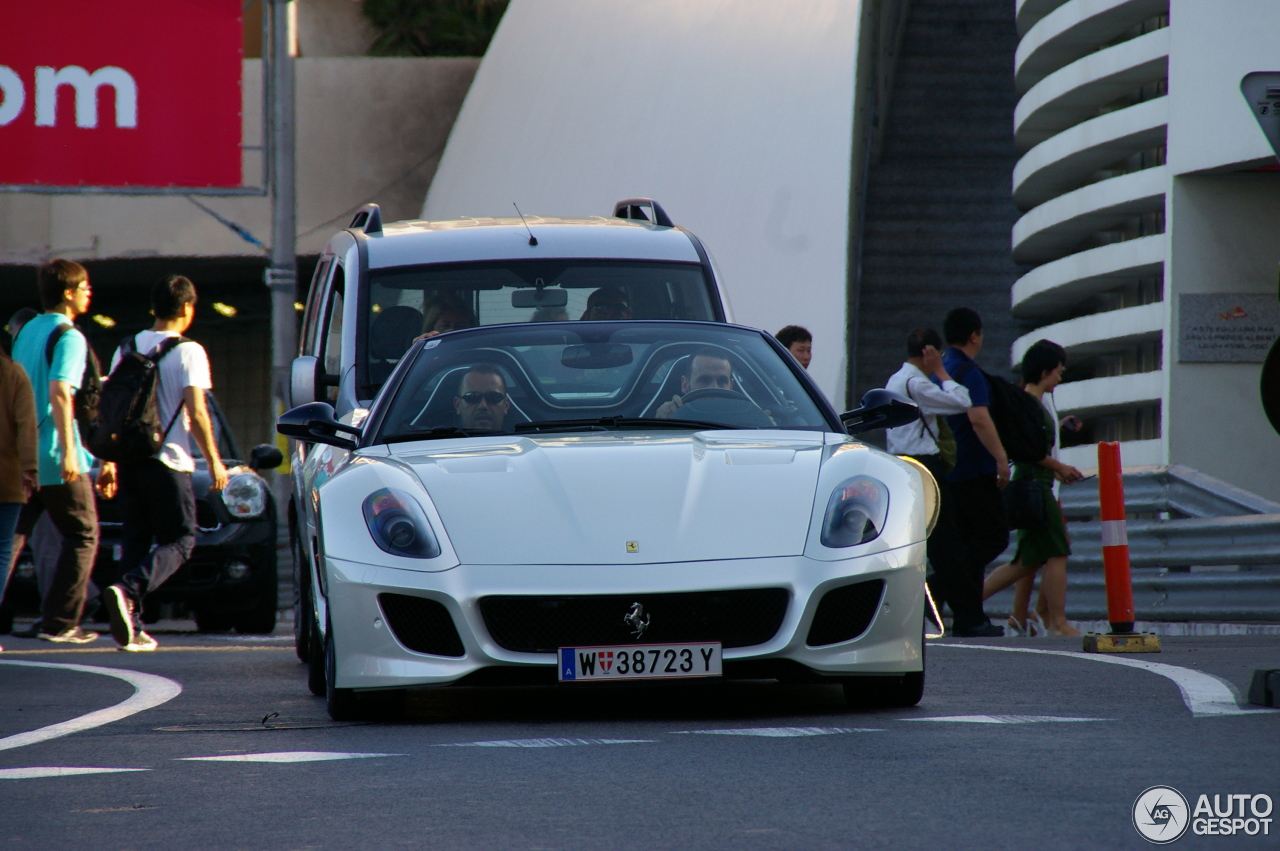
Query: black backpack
{"x": 85, "y": 403}
{"x": 128, "y": 427}
{"x": 1018, "y": 417}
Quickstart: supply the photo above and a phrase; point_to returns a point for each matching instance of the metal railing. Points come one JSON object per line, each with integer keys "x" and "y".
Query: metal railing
{"x": 1201, "y": 549}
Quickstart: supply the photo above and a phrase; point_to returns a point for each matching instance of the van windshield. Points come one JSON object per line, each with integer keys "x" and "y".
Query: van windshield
{"x": 406, "y": 302}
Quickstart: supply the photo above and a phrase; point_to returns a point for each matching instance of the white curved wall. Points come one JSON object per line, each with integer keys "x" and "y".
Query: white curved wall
{"x": 735, "y": 114}
{"x": 1091, "y": 125}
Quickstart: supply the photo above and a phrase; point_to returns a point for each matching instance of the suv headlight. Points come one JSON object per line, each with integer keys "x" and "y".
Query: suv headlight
{"x": 856, "y": 512}
{"x": 245, "y": 496}
{"x": 399, "y": 525}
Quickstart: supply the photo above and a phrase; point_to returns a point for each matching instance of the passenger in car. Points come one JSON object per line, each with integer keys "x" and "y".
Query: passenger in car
{"x": 708, "y": 369}
{"x": 608, "y": 303}
{"x": 443, "y": 312}
{"x": 482, "y": 402}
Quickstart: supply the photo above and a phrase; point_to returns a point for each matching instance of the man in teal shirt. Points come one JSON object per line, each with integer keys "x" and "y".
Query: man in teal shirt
{"x": 65, "y": 487}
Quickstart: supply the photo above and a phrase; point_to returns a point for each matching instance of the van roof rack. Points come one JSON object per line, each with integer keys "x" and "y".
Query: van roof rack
{"x": 368, "y": 219}
{"x": 633, "y": 209}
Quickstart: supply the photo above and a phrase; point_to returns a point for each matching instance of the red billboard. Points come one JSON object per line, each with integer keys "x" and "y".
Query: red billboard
{"x": 128, "y": 93}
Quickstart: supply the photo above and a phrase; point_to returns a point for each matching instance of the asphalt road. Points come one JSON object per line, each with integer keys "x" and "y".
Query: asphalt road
{"x": 1067, "y": 745}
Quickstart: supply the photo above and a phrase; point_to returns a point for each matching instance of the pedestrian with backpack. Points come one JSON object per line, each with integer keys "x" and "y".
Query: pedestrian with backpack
{"x": 924, "y": 380}
{"x": 57, "y": 357}
{"x": 1043, "y": 546}
{"x": 981, "y": 470}
{"x": 153, "y": 404}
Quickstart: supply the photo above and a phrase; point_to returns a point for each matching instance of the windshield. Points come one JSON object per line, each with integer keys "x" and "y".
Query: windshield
{"x": 572, "y": 376}
{"x": 408, "y": 301}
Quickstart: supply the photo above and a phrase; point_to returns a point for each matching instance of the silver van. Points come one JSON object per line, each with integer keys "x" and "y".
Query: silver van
{"x": 379, "y": 287}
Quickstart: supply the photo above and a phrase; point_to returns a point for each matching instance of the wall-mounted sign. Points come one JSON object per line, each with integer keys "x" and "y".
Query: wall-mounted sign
{"x": 1226, "y": 327}
{"x": 121, "y": 93}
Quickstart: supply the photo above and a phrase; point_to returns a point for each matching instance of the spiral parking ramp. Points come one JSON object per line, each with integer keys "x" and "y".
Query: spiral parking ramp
{"x": 1091, "y": 129}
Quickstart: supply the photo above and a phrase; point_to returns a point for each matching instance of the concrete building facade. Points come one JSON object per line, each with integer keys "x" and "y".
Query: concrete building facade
{"x": 368, "y": 129}
{"x": 1151, "y": 218}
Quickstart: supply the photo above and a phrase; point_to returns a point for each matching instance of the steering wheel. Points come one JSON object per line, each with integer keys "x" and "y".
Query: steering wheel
{"x": 723, "y": 405}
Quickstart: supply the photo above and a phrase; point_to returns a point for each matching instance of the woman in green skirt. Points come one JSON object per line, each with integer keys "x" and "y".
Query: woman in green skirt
{"x": 1044, "y": 549}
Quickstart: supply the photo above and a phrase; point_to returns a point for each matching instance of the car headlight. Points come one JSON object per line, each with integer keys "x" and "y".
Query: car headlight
{"x": 932, "y": 496}
{"x": 399, "y": 525}
{"x": 856, "y": 512}
{"x": 245, "y": 496}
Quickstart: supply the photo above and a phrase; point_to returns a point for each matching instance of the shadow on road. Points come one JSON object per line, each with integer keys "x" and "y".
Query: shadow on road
{"x": 734, "y": 700}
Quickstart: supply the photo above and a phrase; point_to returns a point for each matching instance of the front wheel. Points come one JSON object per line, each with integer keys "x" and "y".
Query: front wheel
{"x": 315, "y": 660}
{"x": 893, "y": 691}
{"x": 302, "y": 623}
{"x": 345, "y": 704}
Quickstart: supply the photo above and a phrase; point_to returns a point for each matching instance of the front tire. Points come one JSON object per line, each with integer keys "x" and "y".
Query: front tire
{"x": 893, "y": 692}
{"x": 208, "y": 620}
{"x": 316, "y": 658}
{"x": 302, "y": 623}
{"x": 345, "y": 704}
{"x": 897, "y": 691}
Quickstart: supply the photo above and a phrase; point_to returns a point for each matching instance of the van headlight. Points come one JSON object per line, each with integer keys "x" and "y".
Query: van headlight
{"x": 399, "y": 525}
{"x": 245, "y": 496}
{"x": 856, "y": 512}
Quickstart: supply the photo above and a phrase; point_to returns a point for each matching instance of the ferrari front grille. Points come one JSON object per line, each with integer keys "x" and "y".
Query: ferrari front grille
{"x": 737, "y": 618}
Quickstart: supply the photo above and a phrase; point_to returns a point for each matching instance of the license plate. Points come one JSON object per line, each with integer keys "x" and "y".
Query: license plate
{"x": 640, "y": 662}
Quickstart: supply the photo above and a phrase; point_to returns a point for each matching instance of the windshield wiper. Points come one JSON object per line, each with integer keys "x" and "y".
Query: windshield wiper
{"x": 438, "y": 433}
{"x": 605, "y": 423}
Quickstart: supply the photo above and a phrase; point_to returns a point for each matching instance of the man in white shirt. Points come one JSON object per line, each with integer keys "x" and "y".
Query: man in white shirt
{"x": 158, "y": 501}
{"x": 949, "y": 582}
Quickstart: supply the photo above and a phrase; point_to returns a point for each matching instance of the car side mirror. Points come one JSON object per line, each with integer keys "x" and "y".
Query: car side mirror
{"x": 303, "y": 385}
{"x": 265, "y": 457}
{"x": 880, "y": 409}
{"x": 315, "y": 423}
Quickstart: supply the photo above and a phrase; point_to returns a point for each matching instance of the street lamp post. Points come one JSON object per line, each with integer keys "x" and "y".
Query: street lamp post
{"x": 282, "y": 274}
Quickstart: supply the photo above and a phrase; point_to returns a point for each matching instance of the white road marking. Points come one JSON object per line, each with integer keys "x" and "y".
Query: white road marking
{"x": 286, "y": 756}
{"x": 1005, "y": 719}
{"x": 780, "y": 732}
{"x": 544, "y": 743}
{"x": 150, "y": 691}
{"x": 1204, "y": 694}
{"x": 56, "y": 771}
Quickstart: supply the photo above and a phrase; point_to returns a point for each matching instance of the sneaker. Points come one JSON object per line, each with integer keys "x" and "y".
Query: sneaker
{"x": 70, "y": 635}
{"x": 120, "y": 612}
{"x": 141, "y": 643}
{"x": 985, "y": 630}
{"x": 31, "y": 632}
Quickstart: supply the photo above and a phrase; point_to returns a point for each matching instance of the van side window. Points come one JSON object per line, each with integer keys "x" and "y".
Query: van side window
{"x": 331, "y": 342}
{"x": 311, "y": 318}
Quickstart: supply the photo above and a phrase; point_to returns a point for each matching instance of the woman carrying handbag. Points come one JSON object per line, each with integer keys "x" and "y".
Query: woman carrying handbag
{"x": 1045, "y": 547}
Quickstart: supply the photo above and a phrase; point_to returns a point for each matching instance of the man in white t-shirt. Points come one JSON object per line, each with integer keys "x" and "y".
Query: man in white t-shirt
{"x": 159, "y": 505}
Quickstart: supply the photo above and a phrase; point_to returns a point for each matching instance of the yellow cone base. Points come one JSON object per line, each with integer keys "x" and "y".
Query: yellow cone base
{"x": 1138, "y": 642}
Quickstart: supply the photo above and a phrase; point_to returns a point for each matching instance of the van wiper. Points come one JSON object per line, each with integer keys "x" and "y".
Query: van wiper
{"x": 605, "y": 423}
{"x": 438, "y": 433}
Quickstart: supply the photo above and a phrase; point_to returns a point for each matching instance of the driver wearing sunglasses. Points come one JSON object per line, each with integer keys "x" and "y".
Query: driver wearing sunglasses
{"x": 482, "y": 402}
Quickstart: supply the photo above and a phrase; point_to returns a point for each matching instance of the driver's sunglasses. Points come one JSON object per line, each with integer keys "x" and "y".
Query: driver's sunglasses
{"x": 612, "y": 309}
{"x": 491, "y": 398}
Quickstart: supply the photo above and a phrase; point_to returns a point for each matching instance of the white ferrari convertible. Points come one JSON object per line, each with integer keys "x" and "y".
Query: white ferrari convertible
{"x": 602, "y": 502}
